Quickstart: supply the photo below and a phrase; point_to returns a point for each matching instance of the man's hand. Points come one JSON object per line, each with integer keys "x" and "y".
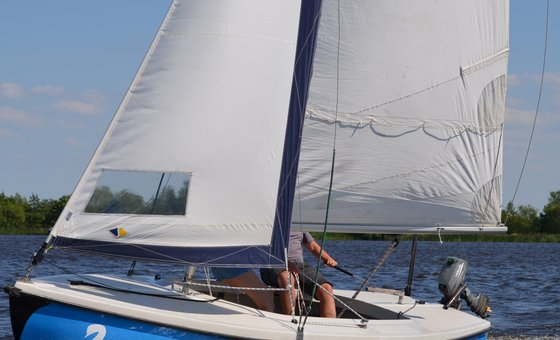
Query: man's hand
{"x": 330, "y": 262}
{"x": 315, "y": 249}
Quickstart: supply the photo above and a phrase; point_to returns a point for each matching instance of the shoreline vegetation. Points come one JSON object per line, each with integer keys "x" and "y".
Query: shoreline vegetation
{"x": 34, "y": 216}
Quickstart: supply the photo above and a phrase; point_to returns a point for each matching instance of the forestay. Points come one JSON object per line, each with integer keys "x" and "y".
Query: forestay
{"x": 417, "y": 90}
{"x": 190, "y": 168}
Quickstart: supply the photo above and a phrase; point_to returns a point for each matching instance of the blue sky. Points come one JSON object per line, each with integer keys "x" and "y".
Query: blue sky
{"x": 65, "y": 65}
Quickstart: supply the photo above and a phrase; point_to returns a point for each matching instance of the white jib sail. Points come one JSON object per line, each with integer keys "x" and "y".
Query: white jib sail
{"x": 202, "y": 126}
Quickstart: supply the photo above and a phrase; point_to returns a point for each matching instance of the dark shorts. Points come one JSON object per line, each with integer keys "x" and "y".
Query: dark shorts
{"x": 270, "y": 277}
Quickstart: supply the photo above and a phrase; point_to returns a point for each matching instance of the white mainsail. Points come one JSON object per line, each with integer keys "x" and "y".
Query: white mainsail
{"x": 417, "y": 90}
{"x": 190, "y": 168}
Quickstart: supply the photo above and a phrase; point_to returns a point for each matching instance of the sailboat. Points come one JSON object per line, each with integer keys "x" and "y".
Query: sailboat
{"x": 250, "y": 118}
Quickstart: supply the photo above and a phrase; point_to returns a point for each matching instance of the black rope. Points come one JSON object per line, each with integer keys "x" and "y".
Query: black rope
{"x": 536, "y": 109}
{"x": 387, "y": 253}
{"x": 324, "y": 235}
{"x": 408, "y": 310}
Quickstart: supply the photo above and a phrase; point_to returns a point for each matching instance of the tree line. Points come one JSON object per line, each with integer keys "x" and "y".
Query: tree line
{"x": 31, "y": 215}
{"x": 525, "y": 219}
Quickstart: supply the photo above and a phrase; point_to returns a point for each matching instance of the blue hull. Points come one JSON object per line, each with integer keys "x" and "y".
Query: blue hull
{"x": 58, "y": 321}
{"x": 482, "y": 336}
{"x": 34, "y": 317}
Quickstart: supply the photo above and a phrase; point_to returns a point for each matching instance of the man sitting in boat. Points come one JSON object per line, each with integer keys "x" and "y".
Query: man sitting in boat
{"x": 245, "y": 277}
{"x": 304, "y": 274}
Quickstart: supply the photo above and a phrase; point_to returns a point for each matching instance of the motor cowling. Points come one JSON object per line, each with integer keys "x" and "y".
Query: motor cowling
{"x": 452, "y": 285}
{"x": 452, "y": 277}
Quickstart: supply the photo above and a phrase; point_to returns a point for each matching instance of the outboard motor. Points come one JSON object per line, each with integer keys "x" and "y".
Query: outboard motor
{"x": 452, "y": 285}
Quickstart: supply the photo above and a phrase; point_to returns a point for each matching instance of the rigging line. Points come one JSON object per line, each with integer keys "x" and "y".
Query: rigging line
{"x": 299, "y": 201}
{"x": 157, "y": 192}
{"x": 337, "y": 76}
{"x": 207, "y": 278}
{"x": 536, "y": 109}
{"x": 86, "y": 248}
{"x": 164, "y": 257}
{"x": 309, "y": 35}
{"x": 386, "y": 255}
{"x": 324, "y": 235}
{"x": 300, "y": 302}
{"x": 88, "y": 281}
{"x": 233, "y": 288}
{"x": 94, "y": 283}
{"x": 114, "y": 201}
{"x": 336, "y": 298}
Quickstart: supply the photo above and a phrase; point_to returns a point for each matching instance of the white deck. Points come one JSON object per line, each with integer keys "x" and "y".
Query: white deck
{"x": 203, "y": 313}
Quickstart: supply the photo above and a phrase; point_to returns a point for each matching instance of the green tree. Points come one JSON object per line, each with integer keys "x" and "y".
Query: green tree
{"x": 521, "y": 220}
{"x": 53, "y": 209}
{"x": 12, "y": 212}
{"x": 35, "y": 212}
{"x": 550, "y": 217}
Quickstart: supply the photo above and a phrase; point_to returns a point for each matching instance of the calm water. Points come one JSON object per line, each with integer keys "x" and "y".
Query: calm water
{"x": 521, "y": 279}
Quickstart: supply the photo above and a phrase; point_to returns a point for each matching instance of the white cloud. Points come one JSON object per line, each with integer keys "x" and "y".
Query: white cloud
{"x": 516, "y": 116}
{"x": 512, "y": 101}
{"x": 94, "y": 96}
{"x": 11, "y": 90}
{"x": 72, "y": 142}
{"x": 514, "y": 80}
{"x": 49, "y": 90}
{"x": 553, "y": 78}
{"x": 4, "y": 133}
{"x": 62, "y": 123}
{"x": 549, "y": 119}
{"x": 525, "y": 118}
{"x": 556, "y": 99}
{"x": 76, "y": 106}
{"x": 550, "y": 79}
{"x": 9, "y": 114}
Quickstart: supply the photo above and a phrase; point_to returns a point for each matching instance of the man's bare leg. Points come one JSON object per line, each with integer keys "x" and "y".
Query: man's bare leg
{"x": 263, "y": 299}
{"x": 327, "y": 306}
{"x": 285, "y": 301}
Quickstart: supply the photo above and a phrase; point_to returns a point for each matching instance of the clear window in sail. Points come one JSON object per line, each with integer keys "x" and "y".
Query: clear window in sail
{"x": 139, "y": 192}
